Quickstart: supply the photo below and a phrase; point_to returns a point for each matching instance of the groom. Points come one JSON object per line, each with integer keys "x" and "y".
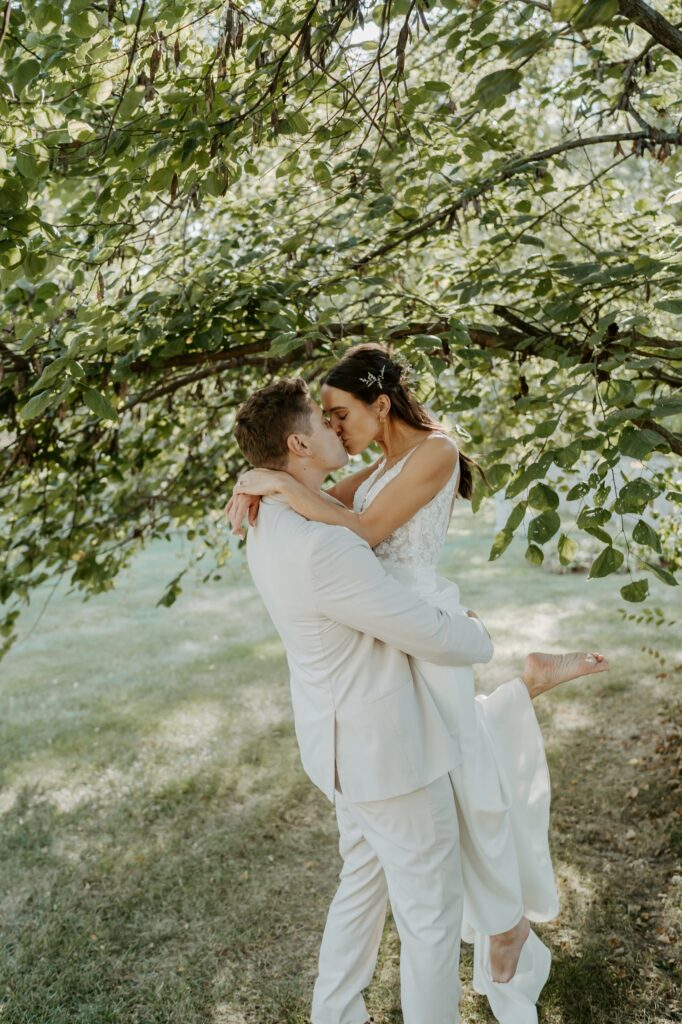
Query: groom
{"x": 369, "y": 733}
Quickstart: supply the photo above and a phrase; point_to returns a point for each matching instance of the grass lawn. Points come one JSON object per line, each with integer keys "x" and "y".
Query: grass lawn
{"x": 163, "y": 858}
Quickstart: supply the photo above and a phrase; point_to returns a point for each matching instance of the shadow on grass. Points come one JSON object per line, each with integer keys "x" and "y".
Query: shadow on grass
{"x": 205, "y": 902}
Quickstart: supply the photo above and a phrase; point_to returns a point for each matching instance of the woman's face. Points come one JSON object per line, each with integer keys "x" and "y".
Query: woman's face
{"x": 355, "y": 422}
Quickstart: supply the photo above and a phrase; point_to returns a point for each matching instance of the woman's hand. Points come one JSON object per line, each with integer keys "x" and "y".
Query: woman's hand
{"x": 262, "y": 482}
{"x": 239, "y": 508}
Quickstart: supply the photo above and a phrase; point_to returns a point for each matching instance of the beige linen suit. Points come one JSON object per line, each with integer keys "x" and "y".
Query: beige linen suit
{"x": 362, "y": 718}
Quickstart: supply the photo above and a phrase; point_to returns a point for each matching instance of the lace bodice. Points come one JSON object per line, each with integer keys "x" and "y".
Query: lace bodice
{"x": 418, "y": 543}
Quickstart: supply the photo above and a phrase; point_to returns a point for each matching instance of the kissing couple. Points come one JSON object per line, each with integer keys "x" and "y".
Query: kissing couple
{"x": 441, "y": 796}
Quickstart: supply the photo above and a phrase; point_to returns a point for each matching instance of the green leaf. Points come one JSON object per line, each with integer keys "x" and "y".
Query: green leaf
{"x": 543, "y": 498}
{"x": 25, "y": 73}
{"x": 47, "y": 17}
{"x": 27, "y": 165}
{"x": 51, "y": 371}
{"x": 596, "y": 12}
{"x": 80, "y": 130}
{"x": 131, "y": 101}
{"x": 568, "y": 456}
{"x": 645, "y": 534}
{"x": 284, "y": 343}
{"x": 639, "y": 442}
{"x": 84, "y": 24}
{"x": 638, "y": 590}
{"x": 37, "y": 405}
{"x": 634, "y": 496}
{"x": 663, "y": 575}
{"x": 501, "y": 542}
{"x": 503, "y": 539}
{"x": 670, "y": 306}
{"x": 436, "y": 86}
{"x": 617, "y": 392}
{"x": 498, "y": 475}
{"x": 610, "y": 560}
{"x": 669, "y": 406}
{"x": 530, "y": 473}
{"x": 161, "y": 179}
{"x": 516, "y": 516}
{"x": 534, "y": 554}
{"x": 100, "y": 405}
{"x": 298, "y": 123}
{"x": 100, "y": 91}
{"x": 496, "y": 86}
{"x": 172, "y": 592}
{"x": 322, "y": 174}
{"x": 590, "y": 517}
{"x": 544, "y": 526}
{"x": 547, "y": 428}
{"x": 578, "y": 491}
{"x": 567, "y": 549}
{"x": 596, "y": 531}
{"x": 565, "y": 10}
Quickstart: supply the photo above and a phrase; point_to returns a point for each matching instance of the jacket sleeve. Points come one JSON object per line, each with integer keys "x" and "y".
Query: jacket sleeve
{"x": 352, "y": 588}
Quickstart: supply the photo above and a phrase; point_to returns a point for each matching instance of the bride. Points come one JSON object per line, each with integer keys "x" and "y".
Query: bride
{"x": 401, "y": 505}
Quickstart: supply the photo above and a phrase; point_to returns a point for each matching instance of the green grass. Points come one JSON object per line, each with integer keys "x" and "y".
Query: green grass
{"x": 164, "y": 859}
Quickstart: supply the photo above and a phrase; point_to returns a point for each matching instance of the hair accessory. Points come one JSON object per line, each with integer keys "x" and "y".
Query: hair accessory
{"x": 407, "y": 375}
{"x": 372, "y": 378}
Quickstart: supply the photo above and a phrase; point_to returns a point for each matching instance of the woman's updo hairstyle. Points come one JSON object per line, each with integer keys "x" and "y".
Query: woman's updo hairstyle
{"x": 367, "y": 371}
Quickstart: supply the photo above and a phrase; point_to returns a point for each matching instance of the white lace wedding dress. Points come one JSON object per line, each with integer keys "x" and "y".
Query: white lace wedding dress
{"x": 502, "y": 786}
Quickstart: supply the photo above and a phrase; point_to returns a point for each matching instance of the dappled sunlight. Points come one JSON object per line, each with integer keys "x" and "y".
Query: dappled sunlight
{"x": 226, "y": 1013}
{"x": 190, "y": 727}
{"x": 577, "y": 882}
{"x": 567, "y": 717}
{"x": 54, "y": 782}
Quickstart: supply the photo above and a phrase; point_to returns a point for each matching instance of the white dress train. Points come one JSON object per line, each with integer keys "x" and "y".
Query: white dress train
{"x": 502, "y": 787}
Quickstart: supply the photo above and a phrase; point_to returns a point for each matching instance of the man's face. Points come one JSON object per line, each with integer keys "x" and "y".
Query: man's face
{"x": 325, "y": 446}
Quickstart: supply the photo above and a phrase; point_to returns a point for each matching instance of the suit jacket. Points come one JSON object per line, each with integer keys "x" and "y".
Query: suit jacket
{"x": 348, "y": 628}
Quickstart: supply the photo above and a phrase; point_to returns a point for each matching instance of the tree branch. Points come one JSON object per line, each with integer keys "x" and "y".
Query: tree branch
{"x": 5, "y": 21}
{"x": 654, "y": 135}
{"x": 662, "y": 30}
{"x": 674, "y": 440}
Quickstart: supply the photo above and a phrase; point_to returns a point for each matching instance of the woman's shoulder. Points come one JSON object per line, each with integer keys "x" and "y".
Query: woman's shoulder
{"x": 436, "y": 451}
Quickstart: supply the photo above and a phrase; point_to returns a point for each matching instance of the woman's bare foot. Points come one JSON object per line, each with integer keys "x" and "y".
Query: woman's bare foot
{"x": 543, "y": 671}
{"x": 505, "y": 950}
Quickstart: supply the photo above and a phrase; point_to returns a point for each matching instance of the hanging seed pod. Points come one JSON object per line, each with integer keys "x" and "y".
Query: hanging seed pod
{"x": 400, "y": 50}
{"x": 176, "y": 52}
{"x": 154, "y": 62}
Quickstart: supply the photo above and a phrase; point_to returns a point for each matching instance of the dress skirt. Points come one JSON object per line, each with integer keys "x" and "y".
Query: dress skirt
{"x": 502, "y": 791}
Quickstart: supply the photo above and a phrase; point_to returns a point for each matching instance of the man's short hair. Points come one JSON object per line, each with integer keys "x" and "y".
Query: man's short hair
{"x": 269, "y": 417}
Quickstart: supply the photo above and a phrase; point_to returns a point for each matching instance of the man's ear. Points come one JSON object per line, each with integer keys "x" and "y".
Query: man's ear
{"x": 297, "y": 445}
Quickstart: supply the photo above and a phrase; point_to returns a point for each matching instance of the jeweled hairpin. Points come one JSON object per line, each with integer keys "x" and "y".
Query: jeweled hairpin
{"x": 373, "y": 379}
